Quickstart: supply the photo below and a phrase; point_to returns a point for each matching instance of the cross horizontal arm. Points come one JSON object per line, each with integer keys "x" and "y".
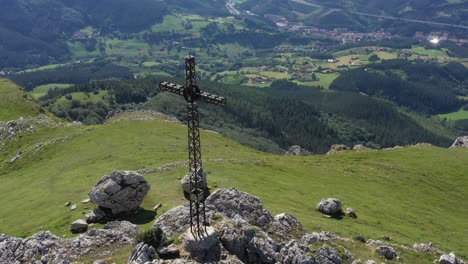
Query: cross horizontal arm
{"x": 171, "y": 87}
{"x": 212, "y": 98}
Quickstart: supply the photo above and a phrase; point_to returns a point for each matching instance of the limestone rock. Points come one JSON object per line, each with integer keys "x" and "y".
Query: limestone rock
{"x": 460, "y": 142}
{"x": 204, "y": 249}
{"x": 310, "y": 239}
{"x": 450, "y": 259}
{"x": 261, "y": 249}
{"x": 170, "y": 252}
{"x": 79, "y": 226}
{"x": 329, "y": 206}
{"x": 142, "y": 253}
{"x": 387, "y": 252}
{"x": 296, "y": 150}
{"x": 427, "y": 248}
{"x": 360, "y": 147}
{"x": 284, "y": 226}
{"x": 73, "y": 207}
{"x": 337, "y": 148}
{"x": 156, "y": 207}
{"x": 201, "y": 178}
{"x": 120, "y": 191}
{"x": 174, "y": 221}
{"x": 67, "y": 203}
{"x": 350, "y": 211}
{"x": 59, "y": 250}
{"x": 98, "y": 215}
{"x": 328, "y": 255}
{"x": 294, "y": 252}
{"x": 230, "y": 202}
{"x": 124, "y": 227}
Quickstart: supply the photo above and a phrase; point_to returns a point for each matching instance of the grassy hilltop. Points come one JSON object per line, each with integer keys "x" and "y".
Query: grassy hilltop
{"x": 416, "y": 194}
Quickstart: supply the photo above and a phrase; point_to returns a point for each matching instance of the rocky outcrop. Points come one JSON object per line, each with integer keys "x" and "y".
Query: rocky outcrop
{"x": 53, "y": 249}
{"x": 204, "y": 249}
{"x": 10, "y": 130}
{"x": 330, "y": 206}
{"x": 282, "y": 225}
{"x": 337, "y": 148}
{"x": 230, "y": 202}
{"x": 247, "y": 232}
{"x": 142, "y": 254}
{"x": 294, "y": 252}
{"x": 460, "y": 142}
{"x": 121, "y": 192}
{"x": 296, "y": 150}
{"x": 328, "y": 255}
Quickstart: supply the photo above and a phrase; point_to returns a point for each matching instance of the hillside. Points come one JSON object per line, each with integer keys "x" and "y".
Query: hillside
{"x": 15, "y": 102}
{"x": 401, "y": 193}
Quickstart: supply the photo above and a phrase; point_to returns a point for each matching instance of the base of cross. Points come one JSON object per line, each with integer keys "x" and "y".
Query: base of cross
{"x": 204, "y": 247}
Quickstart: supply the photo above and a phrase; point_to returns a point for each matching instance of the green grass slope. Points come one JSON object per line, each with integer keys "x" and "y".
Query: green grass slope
{"x": 15, "y": 102}
{"x": 411, "y": 194}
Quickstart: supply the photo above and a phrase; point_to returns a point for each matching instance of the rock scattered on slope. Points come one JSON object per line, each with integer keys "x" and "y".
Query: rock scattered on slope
{"x": 121, "y": 191}
{"x": 450, "y": 259}
{"x": 387, "y": 252}
{"x": 460, "y": 142}
{"x": 427, "y": 248}
{"x": 296, "y": 150}
{"x": 350, "y": 211}
{"x": 45, "y": 245}
{"x": 330, "y": 206}
{"x": 10, "y": 130}
{"x": 79, "y": 226}
{"x": 337, "y": 148}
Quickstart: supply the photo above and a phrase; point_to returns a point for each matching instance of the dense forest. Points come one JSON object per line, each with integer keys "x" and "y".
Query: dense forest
{"x": 422, "y": 87}
{"x": 75, "y": 73}
{"x": 268, "y": 119}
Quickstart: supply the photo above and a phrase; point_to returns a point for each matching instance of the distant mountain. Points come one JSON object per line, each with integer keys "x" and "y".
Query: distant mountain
{"x": 34, "y": 32}
{"x": 361, "y": 14}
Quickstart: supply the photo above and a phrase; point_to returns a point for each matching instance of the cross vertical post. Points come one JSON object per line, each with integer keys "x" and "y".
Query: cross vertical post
{"x": 198, "y": 191}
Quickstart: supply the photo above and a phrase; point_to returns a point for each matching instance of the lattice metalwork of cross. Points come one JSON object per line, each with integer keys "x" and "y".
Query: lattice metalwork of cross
{"x": 197, "y": 191}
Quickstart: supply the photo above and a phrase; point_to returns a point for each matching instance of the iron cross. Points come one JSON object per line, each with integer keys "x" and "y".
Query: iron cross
{"x": 197, "y": 190}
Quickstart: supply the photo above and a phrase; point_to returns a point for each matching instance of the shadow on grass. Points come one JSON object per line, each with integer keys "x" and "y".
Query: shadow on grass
{"x": 142, "y": 217}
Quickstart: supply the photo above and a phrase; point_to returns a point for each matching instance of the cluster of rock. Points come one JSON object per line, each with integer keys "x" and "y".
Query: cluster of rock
{"x": 460, "y": 142}
{"x": 242, "y": 231}
{"x": 48, "y": 248}
{"x": 296, "y": 150}
{"x": 10, "y": 130}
